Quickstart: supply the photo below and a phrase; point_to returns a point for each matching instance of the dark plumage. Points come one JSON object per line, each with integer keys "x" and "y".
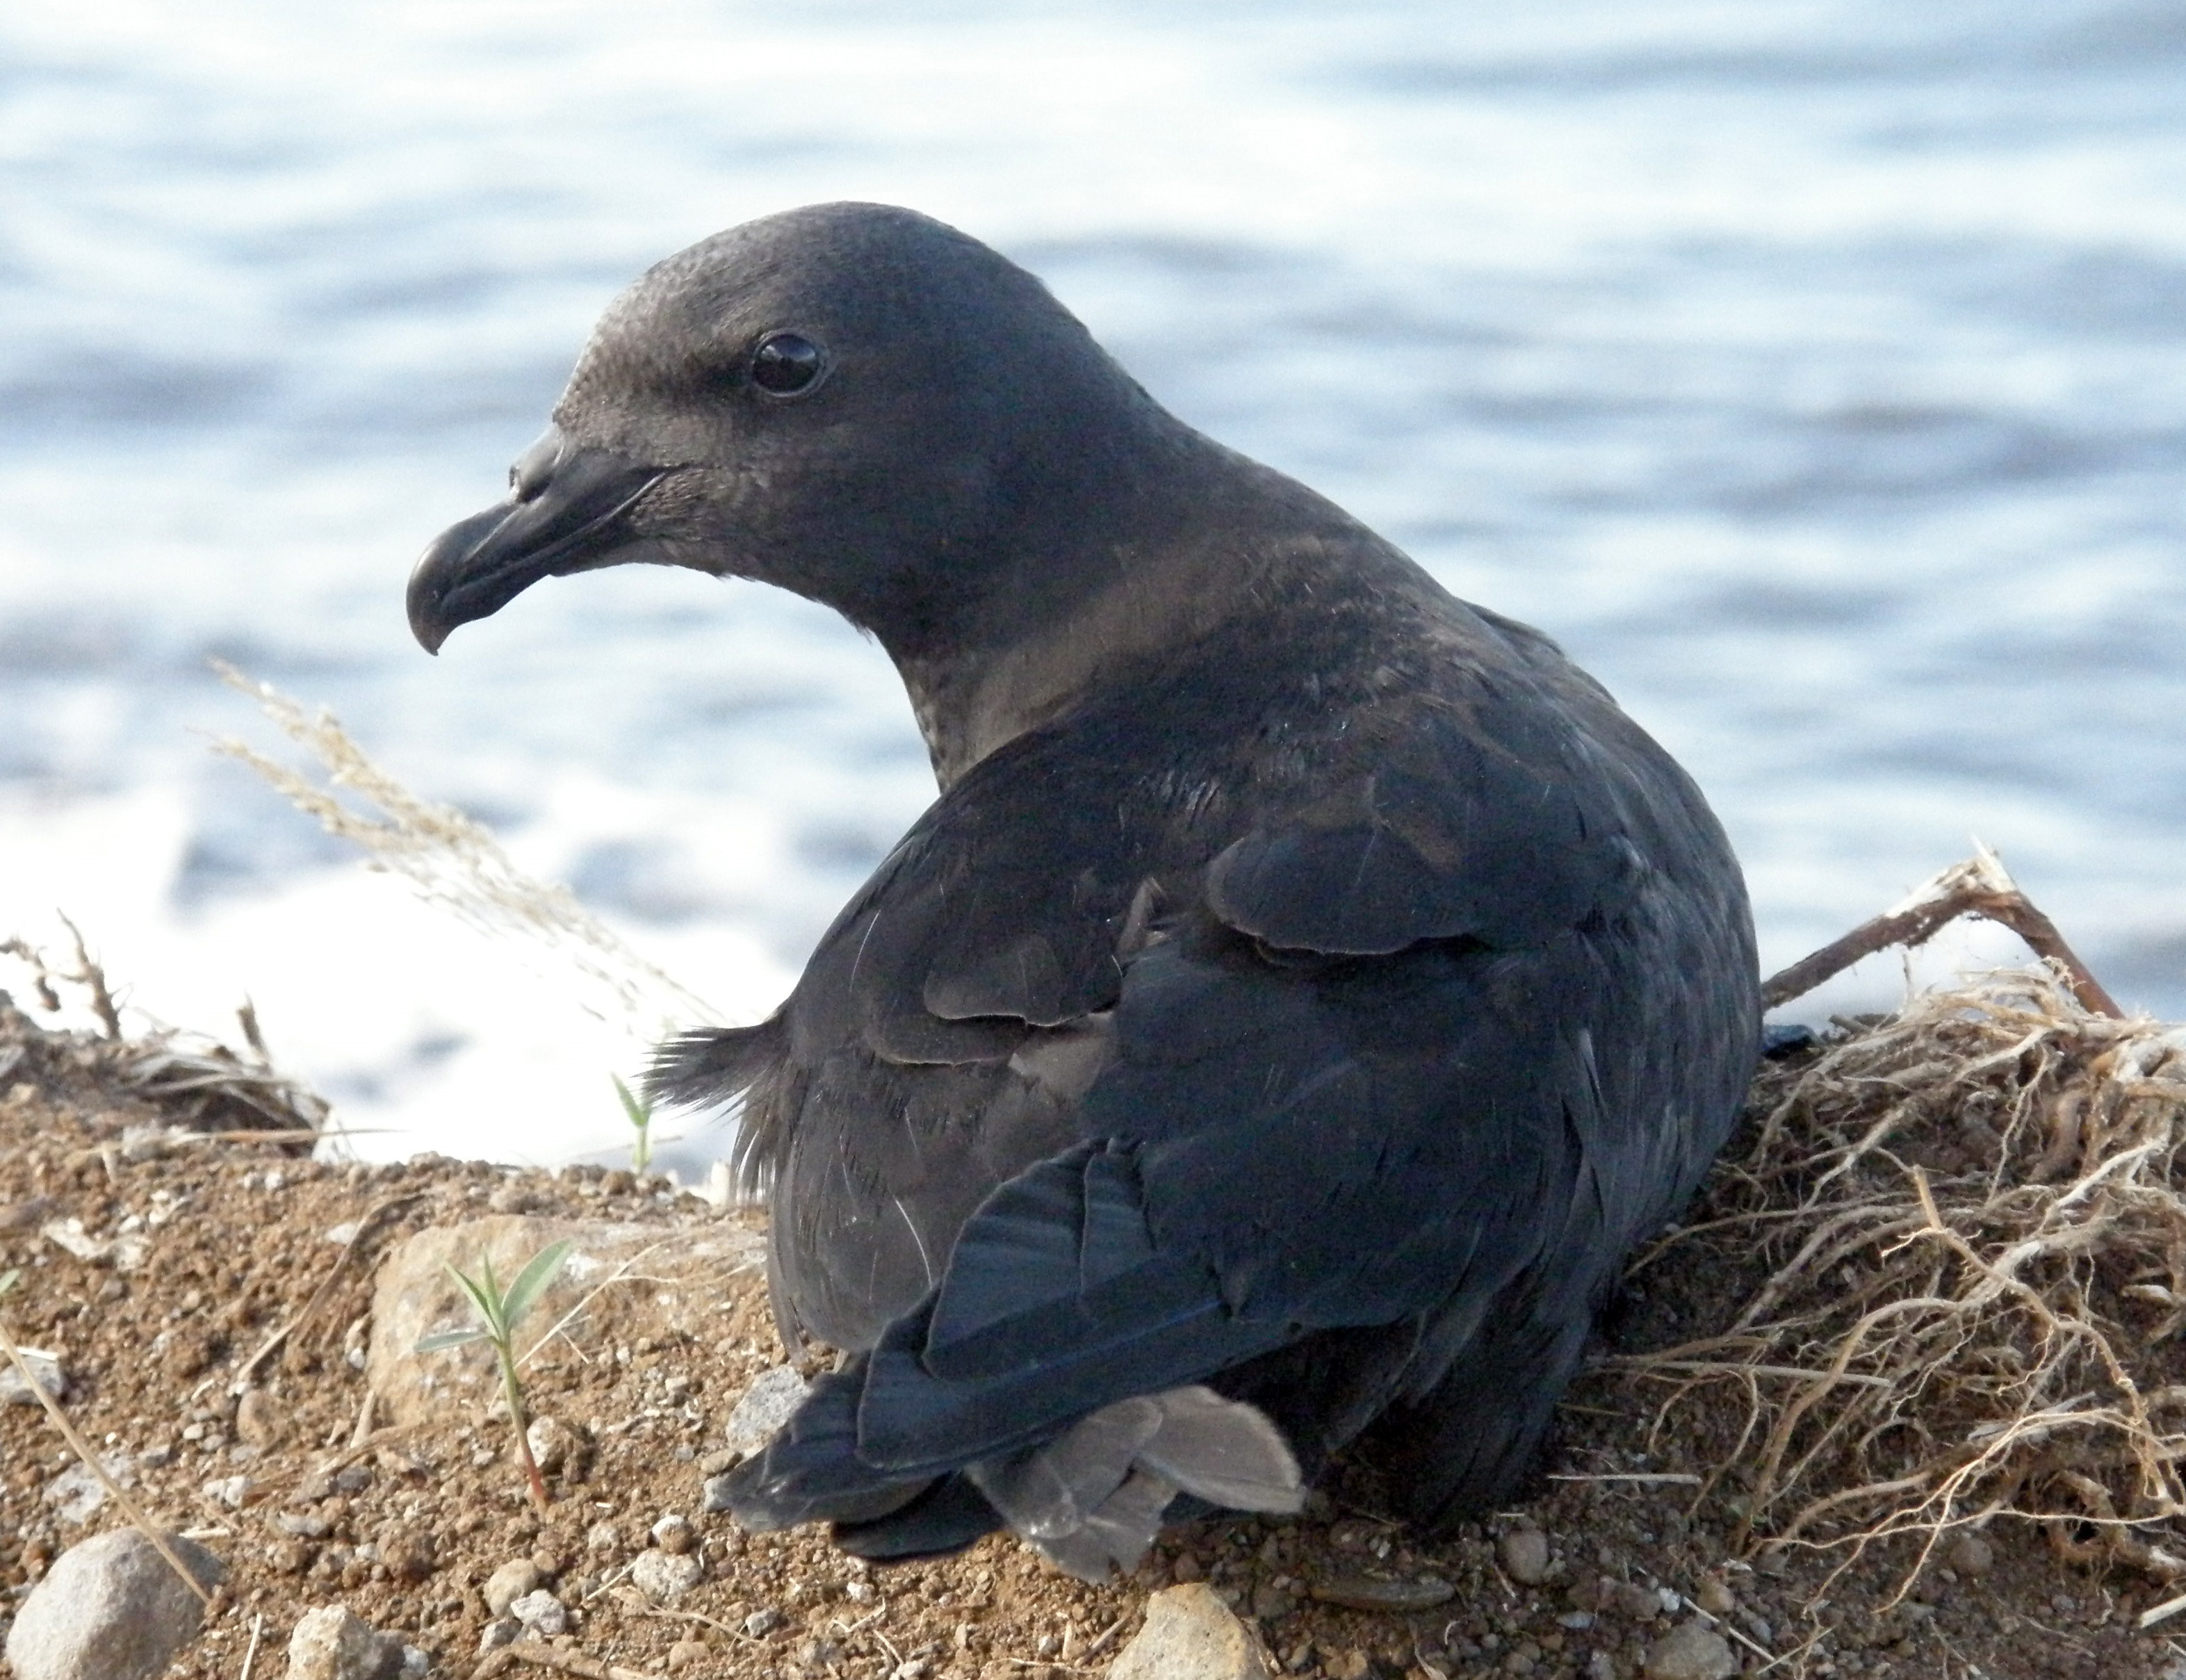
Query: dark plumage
{"x": 1305, "y": 990}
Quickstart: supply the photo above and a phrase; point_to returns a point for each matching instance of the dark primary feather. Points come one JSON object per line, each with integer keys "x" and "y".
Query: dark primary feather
{"x": 1306, "y": 987}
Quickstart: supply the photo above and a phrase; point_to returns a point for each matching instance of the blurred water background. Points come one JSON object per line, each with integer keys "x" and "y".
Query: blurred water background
{"x": 1816, "y": 373}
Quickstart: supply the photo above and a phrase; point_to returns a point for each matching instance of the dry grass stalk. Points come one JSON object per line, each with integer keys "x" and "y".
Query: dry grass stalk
{"x": 201, "y": 1085}
{"x": 1973, "y": 1272}
{"x": 456, "y": 863}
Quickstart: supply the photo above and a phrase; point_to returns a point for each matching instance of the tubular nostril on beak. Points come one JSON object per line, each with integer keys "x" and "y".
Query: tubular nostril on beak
{"x": 535, "y": 466}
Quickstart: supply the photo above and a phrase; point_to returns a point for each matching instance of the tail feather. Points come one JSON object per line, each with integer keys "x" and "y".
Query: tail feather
{"x": 1090, "y": 1498}
{"x": 947, "y": 1517}
{"x": 713, "y": 1064}
{"x": 810, "y": 1471}
{"x": 1225, "y": 1451}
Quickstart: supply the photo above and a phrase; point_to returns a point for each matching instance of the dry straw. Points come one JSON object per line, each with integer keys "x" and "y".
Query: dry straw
{"x": 455, "y": 864}
{"x": 1970, "y": 1281}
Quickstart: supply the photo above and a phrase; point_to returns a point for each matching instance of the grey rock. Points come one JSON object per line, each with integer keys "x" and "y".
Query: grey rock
{"x": 259, "y": 1419}
{"x": 542, "y": 1613}
{"x": 110, "y": 1609}
{"x": 1524, "y": 1554}
{"x": 508, "y": 1584}
{"x": 45, "y": 1368}
{"x": 763, "y": 1621}
{"x": 76, "y": 1494}
{"x": 1190, "y": 1634}
{"x": 1970, "y": 1555}
{"x": 334, "y": 1642}
{"x": 1628, "y": 1597}
{"x": 665, "y": 1577}
{"x": 765, "y": 1406}
{"x": 553, "y": 1444}
{"x": 1691, "y": 1651}
{"x": 714, "y": 1497}
{"x": 501, "y": 1630}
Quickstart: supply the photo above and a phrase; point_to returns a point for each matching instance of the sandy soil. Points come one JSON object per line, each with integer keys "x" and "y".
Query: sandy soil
{"x": 204, "y": 1249}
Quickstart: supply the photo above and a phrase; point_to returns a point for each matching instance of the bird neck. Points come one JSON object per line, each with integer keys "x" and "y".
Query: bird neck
{"x": 1178, "y": 546}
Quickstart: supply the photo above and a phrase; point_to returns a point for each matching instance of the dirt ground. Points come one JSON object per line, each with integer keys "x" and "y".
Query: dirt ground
{"x": 201, "y": 1251}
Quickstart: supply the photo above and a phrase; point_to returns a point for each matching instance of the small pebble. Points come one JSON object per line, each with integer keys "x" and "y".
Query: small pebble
{"x": 764, "y": 1408}
{"x": 713, "y": 1496}
{"x": 685, "y": 1653}
{"x": 1690, "y": 1651}
{"x": 335, "y": 1644}
{"x": 508, "y": 1584}
{"x": 673, "y": 1534}
{"x": 46, "y": 1368}
{"x": 542, "y": 1613}
{"x": 1627, "y": 1597}
{"x": 1524, "y": 1554}
{"x": 665, "y": 1577}
{"x": 501, "y": 1630}
{"x": 602, "y": 1536}
{"x": 1714, "y": 1596}
{"x": 1970, "y": 1555}
{"x": 553, "y": 1444}
{"x": 761, "y": 1622}
{"x": 258, "y": 1418}
{"x": 409, "y": 1554}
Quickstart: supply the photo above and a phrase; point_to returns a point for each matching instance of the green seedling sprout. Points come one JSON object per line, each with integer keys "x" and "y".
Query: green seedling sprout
{"x": 499, "y": 1313}
{"x": 640, "y": 1121}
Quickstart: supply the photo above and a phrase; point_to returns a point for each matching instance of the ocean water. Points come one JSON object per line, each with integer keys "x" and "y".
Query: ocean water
{"x": 1816, "y": 373}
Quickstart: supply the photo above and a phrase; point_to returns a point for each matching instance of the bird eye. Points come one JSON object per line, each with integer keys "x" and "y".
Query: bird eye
{"x": 785, "y": 363}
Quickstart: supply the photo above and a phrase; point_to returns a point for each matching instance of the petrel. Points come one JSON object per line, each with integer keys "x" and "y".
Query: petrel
{"x": 1305, "y": 989}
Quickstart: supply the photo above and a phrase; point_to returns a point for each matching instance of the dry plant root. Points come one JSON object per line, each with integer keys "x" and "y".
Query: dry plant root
{"x": 1973, "y": 1277}
{"x": 1973, "y": 1234}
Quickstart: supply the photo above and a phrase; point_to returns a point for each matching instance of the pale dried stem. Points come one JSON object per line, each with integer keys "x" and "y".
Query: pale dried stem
{"x": 454, "y": 862}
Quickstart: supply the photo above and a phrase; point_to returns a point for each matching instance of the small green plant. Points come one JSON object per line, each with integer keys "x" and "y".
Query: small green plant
{"x": 499, "y": 1313}
{"x": 640, "y": 1115}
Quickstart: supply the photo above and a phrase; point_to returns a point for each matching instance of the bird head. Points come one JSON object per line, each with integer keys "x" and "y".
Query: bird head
{"x": 852, "y": 401}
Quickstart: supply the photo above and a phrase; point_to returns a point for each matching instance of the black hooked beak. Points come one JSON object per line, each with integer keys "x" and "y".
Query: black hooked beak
{"x": 567, "y": 512}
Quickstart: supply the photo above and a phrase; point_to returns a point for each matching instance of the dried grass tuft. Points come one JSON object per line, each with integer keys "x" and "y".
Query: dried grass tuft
{"x": 455, "y": 864}
{"x": 1967, "y": 1243}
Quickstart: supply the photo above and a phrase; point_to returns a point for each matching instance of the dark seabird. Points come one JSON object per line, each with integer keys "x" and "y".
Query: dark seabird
{"x": 1305, "y": 990}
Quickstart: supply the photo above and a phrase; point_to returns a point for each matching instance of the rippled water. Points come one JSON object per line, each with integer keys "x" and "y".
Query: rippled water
{"x": 1816, "y": 373}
